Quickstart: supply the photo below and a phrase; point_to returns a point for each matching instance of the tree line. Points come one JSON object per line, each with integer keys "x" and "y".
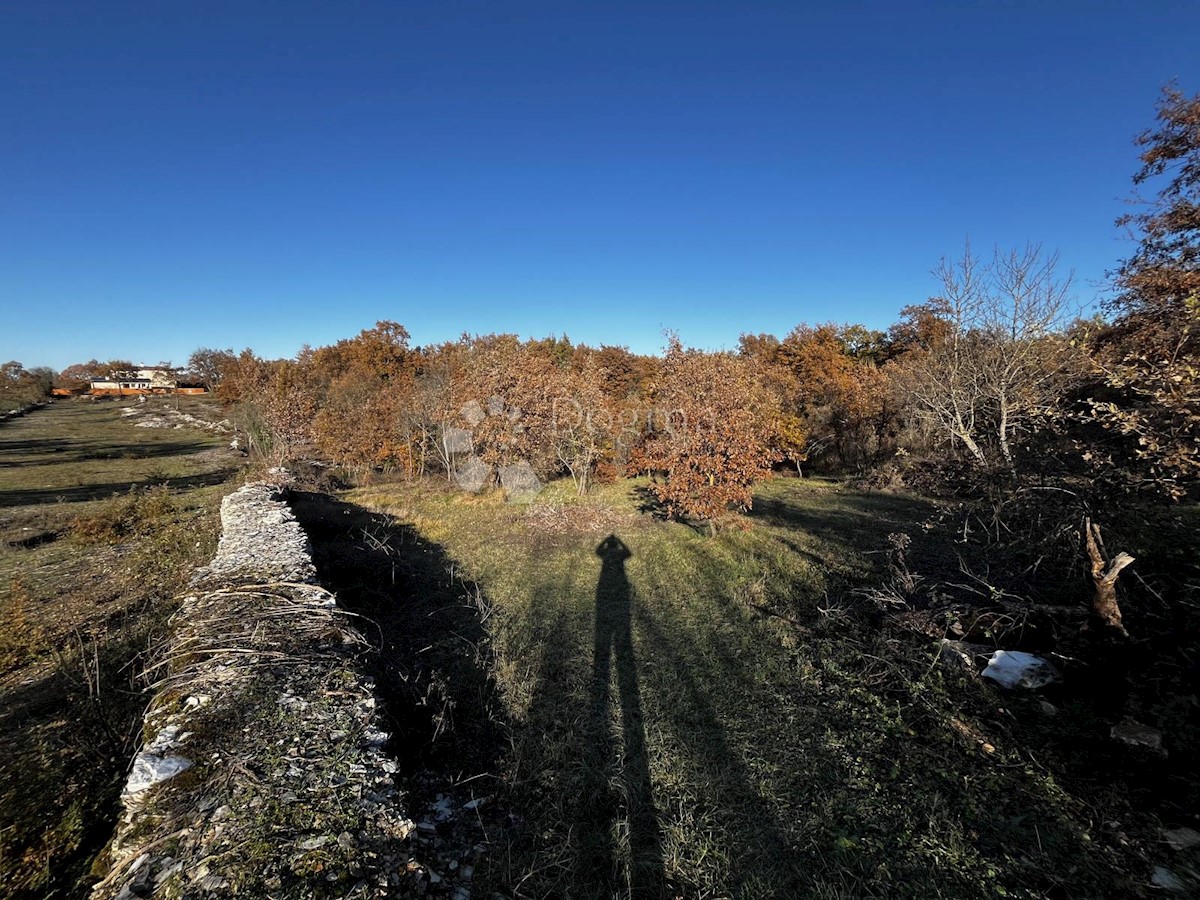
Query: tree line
{"x": 993, "y": 378}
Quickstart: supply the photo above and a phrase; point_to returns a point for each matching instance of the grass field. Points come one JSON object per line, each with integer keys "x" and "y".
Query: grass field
{"x": 100, "y": 523}
{"x": 651, "y": 711}
{"x": 715, "y": 717}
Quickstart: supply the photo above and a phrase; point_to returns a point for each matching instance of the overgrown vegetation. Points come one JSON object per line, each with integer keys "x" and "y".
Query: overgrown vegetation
{"x": 101, "y": 525}
{"x": 731, "y": 716}
{"x": 21, "y": 388}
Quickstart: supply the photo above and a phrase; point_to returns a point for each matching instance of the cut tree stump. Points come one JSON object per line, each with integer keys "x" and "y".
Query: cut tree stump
{"x": 1105, "y": 573}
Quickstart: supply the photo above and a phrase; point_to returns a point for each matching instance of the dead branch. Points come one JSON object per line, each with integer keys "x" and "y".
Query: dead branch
{"x": 1105, "y": 572}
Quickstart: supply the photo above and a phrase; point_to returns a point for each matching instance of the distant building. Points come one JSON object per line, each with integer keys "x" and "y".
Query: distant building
{"x": 146, "y": 381}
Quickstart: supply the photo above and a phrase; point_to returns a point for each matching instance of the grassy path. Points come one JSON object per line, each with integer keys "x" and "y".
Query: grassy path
{"x": 713, "y": 717}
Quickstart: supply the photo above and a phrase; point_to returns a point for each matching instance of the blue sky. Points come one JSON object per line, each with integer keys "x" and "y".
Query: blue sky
{"x": 179, "y": 174}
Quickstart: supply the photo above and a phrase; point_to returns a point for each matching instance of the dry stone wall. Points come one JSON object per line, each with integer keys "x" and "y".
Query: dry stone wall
{"x": 264, "y": 771}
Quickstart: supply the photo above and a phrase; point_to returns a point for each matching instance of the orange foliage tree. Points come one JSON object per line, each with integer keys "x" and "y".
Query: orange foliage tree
{"x": 1151, "y": 357}
{"x": 367, "y": 383}
{"x": 835, "y": 398}
{"x": 710, "y": 434}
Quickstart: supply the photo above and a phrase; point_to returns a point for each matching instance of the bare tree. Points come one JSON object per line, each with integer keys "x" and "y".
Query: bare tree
{"x": 1002, "y": 364}
{"x": 945, "y": 381}
{"x": 582, "y": 425}
{"x": 1029, "y": 363}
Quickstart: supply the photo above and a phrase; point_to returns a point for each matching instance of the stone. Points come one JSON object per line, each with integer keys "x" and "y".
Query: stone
{"x": 1182, "y": 838}
{"x": 519, "y": 481}
{"x": 473, "y": 474}
{"x": 1017, "y": 670}
{"x": 962, "y": 654}
{"x": 457, "y": 440}
{"x": 150, "y": 769}
{"x": 1133, "y": 733}
{"x": 263, "y": 557}
{"x": 1164, "y": 879}
{"x": 473, "y": 413}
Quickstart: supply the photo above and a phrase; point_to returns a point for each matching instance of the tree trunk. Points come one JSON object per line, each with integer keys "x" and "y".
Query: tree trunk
{"x": 1003, "y": 434}
{"x": 974, "y": 448}
{"x": 1105, "y": 573}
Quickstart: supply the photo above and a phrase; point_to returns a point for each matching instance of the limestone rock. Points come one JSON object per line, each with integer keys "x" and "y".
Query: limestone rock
{"x": 1016, "y": 670}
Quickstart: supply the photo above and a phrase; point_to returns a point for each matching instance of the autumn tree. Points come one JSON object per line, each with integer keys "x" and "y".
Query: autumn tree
{"x": 241, "y": 377}
{"x": 1151, "y": 357}
{"x": 210, "y": 366}
{"x": 512, "y": 388}
{"x": 434, "y": 417}
{"x": 364, "y": 384}
{"x": 274, "y": 404}
{"x": 585, "y": 424}
{"x": 710, "y": 436}
{"x": 622, "y": 374}
{"x": 78, "y": 376}
{"x": 20, "y": 386}
{"x": 997, "y": 363}
{"x": 834, "y": 399}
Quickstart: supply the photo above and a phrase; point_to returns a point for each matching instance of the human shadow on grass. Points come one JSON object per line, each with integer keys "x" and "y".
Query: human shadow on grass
{"x": 582, "y": 780}
{"x": 613, "y": 652}
{"x": 591, "y": 778}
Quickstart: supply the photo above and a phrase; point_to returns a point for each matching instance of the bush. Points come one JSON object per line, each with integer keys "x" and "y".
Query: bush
{"x": 122, "y": 517}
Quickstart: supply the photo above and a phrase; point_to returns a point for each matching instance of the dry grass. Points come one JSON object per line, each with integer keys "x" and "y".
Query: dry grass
{"x": 722, "y": 717}
{"x": 100, "y": 524}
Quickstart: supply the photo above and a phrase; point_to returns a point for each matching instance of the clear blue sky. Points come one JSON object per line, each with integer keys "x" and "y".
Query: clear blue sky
{"x": 233, "y": 174}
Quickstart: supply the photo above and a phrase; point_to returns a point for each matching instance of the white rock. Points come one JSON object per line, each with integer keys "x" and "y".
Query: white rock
{"x": 1133, "y": 733}
{"x": 519, "y": 481}
{"x": 457, "y": 440}
{"x": 1164, "y": 878}
{"x": 1014, "y": 669}
{"x": 1182, "y": 838}
{"x": 150, "y": 768}
{"x": 472, "y": 474}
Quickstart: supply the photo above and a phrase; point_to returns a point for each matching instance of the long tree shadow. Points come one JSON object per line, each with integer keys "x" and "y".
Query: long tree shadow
{"x": 56, "y": 452}
{"x": 862, "y": 520}
{"x": 613, "y": 650}
{"x": 86, "y": 492}
{"x": 763, "y": 853}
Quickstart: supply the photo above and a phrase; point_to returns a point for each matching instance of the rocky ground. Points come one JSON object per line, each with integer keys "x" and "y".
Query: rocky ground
{"x": 264, "y": 771}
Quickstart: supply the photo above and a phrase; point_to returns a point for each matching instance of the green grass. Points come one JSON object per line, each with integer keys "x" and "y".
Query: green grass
{"x": 718, "y": 717}
{"x": 100, "y": 524}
